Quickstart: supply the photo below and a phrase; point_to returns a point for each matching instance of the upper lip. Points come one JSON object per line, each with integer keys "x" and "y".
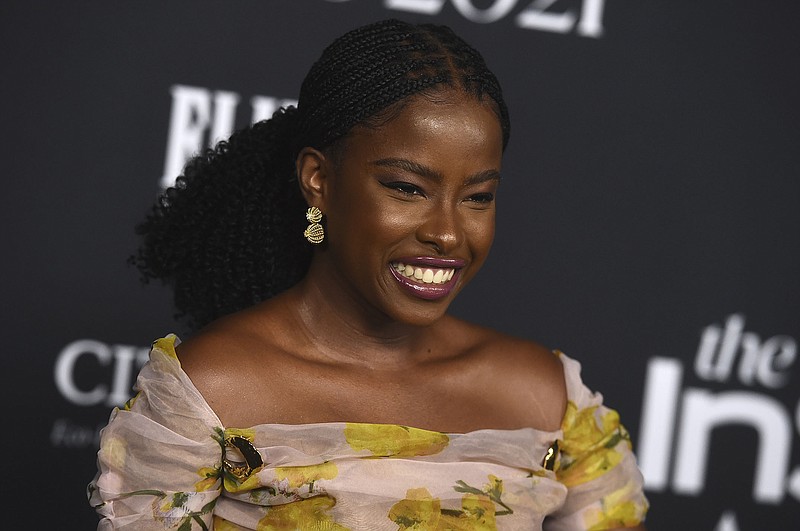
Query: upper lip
{"x": 432, "y": 261}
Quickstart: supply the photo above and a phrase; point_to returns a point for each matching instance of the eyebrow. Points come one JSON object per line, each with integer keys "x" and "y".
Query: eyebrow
{"x": 430, "y": 173}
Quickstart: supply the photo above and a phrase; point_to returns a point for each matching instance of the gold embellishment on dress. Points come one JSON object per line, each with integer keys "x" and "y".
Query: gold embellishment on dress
{"x": 252, "y": 459}
{"x": 549, "y": 461}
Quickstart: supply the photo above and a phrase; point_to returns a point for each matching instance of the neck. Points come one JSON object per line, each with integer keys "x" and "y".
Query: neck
{"x": 342, "y": 327}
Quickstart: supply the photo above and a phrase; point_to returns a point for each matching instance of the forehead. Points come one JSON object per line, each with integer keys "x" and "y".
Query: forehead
{"x": 448, "y": 124}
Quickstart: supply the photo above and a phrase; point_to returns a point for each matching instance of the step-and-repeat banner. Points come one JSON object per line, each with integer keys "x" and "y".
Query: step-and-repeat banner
{"x": 648, "y": 224}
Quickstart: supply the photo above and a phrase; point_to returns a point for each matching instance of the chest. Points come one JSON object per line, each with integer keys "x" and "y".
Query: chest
{"x": 440, "y": 400}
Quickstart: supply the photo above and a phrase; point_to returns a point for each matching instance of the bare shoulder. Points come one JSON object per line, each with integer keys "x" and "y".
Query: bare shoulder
{"x": 508, "y": 353}
{"x": 530, "y": 377}
{"x": 207, "y": 353}
{"x": 222, "y": 360}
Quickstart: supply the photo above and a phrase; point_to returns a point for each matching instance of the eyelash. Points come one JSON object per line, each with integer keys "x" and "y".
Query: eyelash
{"x": 404, "y": 188}
{"x": 482, "y": 198}
{"x": 412, "y": 190}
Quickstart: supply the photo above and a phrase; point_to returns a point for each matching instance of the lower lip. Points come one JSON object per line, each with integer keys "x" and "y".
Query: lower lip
{"x": 426, "y": 291}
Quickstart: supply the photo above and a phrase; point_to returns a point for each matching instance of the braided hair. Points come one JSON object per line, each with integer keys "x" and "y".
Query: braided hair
{"x": 229, "y": 233}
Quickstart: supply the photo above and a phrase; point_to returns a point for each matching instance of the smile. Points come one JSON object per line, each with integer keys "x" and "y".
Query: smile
{"x": 427, "y": 277}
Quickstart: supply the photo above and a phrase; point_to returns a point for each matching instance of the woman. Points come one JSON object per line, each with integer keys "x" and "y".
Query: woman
{"x": 331, "y": 390}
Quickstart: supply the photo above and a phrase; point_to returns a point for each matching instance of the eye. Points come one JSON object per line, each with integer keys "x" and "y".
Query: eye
{"x": 484, "y": 198}
{"x": 404, "y": 188}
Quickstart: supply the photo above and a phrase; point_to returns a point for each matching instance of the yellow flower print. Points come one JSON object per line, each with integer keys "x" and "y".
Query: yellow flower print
{"x": 234, "y": 485}
{"x": 167, "y": 345}
{"x": 129, "y": 404}
{"x": 298, "y": 476}
{"x": 210, "y": 476}
{"x": 616, "y": 510}
{"x": 492, "y": 493}
{"x": 624, "y": 515}
{"x": 589, "y": 446}
{"x": 175, "y": 509}
{"x": 391, "y": 440}
{"x": 421, "y": 511}
{"x": 220, "y": 524}
{"x": 477, "y": 514}
{"x": 115, "y": 451}
{"x": 418, "y": 511}
{"x": 494, "y": 489}
{"x": 479, "y": 509}
{"x": 310, "y": 513}
{"x": 589, "y": 467}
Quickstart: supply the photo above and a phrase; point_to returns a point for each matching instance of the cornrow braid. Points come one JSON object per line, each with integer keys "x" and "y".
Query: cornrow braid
{"x": 368, "y": 70}
{"x": 229, "y": 233}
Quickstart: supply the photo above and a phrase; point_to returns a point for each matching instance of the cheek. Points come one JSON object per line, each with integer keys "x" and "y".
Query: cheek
{"x": 384, "y": 218}
{"x": 480, "y": 234}
{"x": 395, "y": 220}
{"x": 368, "y": 227}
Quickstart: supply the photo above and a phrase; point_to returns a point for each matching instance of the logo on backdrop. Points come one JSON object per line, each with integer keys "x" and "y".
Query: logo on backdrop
{"x": 582, "y": 17}
{"x": 114, "y": 368}
{"x": 200, "y": 117}
{"x": 677, "y": 422}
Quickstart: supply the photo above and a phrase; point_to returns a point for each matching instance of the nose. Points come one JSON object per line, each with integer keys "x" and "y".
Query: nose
{"x": 442, "y": 229}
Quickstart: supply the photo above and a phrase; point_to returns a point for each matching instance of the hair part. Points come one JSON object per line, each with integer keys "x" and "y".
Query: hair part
{"x": 371, "y": 70}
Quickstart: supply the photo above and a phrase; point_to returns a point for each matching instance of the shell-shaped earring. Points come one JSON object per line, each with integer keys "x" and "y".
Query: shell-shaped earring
{"x": 314, "y": 233}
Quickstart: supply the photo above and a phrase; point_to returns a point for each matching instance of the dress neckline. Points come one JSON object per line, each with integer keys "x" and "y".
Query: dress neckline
{"x": 166, "y": 346}
{"x": 337, "y": 424}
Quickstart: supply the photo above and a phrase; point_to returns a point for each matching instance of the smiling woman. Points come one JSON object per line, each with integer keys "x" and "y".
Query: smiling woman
{"x": 416, "y": 191}
{"x": 326, "y": 386}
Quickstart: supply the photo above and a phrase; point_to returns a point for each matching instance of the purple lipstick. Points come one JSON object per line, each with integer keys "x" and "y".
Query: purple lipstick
{"x": 427, "y": 277}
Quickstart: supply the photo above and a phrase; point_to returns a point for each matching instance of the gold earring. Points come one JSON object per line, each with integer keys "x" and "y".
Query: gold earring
{"x": 314, "y": 233}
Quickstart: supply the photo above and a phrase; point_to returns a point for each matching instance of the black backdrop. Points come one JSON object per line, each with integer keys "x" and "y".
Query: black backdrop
{"x": 649, "y": 208}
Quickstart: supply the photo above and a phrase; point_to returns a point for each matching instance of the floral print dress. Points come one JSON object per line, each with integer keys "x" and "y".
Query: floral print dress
{"x": 166, "y": 462}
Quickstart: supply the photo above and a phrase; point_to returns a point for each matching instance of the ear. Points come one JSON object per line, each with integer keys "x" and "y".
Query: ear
{"x": 312, "y": 175}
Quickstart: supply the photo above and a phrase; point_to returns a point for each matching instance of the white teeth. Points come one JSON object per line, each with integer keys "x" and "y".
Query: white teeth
{"x": 425, "y": 275}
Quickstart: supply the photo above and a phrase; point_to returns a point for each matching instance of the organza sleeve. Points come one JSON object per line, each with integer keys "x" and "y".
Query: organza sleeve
{"x": 595, "y": 463}
{"x": 160, "y": 455}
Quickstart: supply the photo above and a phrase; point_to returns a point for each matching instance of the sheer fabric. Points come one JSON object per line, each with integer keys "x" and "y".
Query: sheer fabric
{"x": 166, "y": 462}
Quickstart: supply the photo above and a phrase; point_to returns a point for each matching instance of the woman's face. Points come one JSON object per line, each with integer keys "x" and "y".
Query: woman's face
{"x": 410, "y": 206}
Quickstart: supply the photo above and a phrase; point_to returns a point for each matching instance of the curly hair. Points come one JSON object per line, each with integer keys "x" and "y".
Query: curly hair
{"x": 229, "y": 233}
